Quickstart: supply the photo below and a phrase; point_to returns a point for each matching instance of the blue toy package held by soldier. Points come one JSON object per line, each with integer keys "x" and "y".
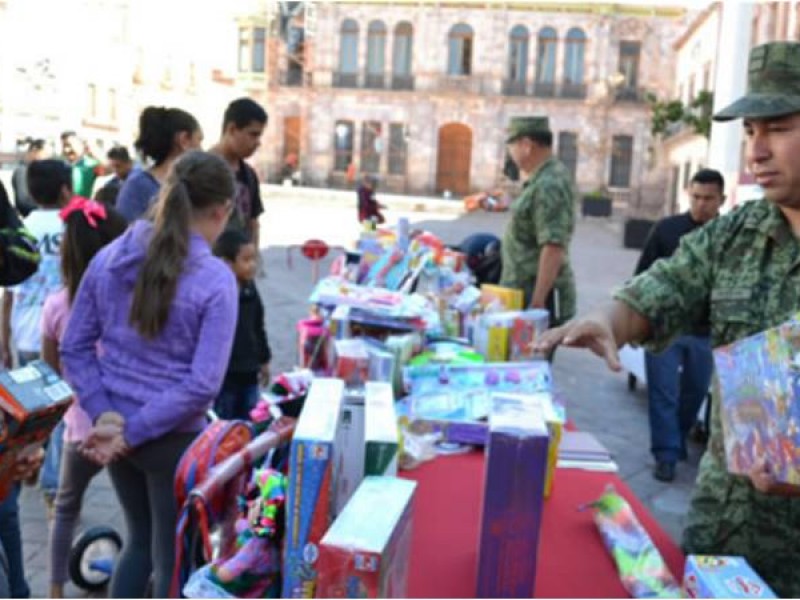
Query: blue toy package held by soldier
{"x": 722, "y": 577}
{"x": 759, "y": 380}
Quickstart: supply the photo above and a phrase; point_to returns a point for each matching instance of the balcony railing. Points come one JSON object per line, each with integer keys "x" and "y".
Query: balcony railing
{"x": 514, "y": 87}
{"x": 293, "y": 78}
{"x": 402, "y": 82}
{"x": 630, "y": 94}
{"x": 544, "y": 89}
{"x": 345, "y": 80}
{"x": 573, "y": 90}
{"x": 466, "y": 84}
{"x": 374, "y": 81}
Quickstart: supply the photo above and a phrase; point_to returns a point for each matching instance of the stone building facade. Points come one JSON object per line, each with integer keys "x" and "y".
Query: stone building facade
{"x": 421, "y": 93}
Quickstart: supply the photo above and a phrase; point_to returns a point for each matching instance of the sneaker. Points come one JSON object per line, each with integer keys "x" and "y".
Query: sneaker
{"x": 664, "y": 471}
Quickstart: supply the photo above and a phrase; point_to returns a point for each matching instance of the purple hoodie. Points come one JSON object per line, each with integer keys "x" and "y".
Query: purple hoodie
{"x": 160, "y": 385}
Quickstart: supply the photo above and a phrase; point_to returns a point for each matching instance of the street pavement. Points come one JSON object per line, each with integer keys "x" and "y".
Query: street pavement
{"x": 599, "y": 401}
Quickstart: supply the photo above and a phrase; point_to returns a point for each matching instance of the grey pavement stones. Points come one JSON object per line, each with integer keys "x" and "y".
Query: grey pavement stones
{"x": 598, "y": 400}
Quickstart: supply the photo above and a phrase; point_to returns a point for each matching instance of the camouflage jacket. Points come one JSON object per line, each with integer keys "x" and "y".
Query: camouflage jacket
{"x": 741, "y": 273}
{"x": 544, "y": 213}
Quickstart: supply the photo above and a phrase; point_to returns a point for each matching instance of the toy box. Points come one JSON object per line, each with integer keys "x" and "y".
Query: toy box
{"x": 365, "y": 553}
{"x": 491, "y": 335}
{"x": 33, "y": 400}
{"x": 349, "y": 453}
{"x": 351, "y": 362}
{"x": 526, "y": 327}
{"x": 380, "y": 430}
{"x": 722, "y": 577}
{"x": 499, "y": 298}
{"x": 514, "y": 480}
{"x": 759, "y": 380}
{"x": 308, "y": 498}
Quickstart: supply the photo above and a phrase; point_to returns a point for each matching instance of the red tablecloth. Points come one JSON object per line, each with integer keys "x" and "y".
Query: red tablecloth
{"x": 572, "y": 559}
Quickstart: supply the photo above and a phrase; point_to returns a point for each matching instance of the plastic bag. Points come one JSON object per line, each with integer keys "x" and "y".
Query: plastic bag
{"x": 641, "y": 568}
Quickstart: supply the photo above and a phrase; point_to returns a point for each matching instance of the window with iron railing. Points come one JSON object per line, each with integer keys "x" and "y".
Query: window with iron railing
{"x": 343, "y": 141}
{"x": 629, "y": 68}
{"x": 376, "y": 54}
{"x": 460, "y": 43}
{"x": 518, "y": 57}
{"x": 621, "y": 161}
{"x": 573, "y": 86}
{"x": 568, "y": 151}
{"x": 347, "y": 76}
{"x": 545, "y": 84}
{"x": 402, "y": 78}
{"x": 371, "y": 146}
{"x": 398, "y": 149}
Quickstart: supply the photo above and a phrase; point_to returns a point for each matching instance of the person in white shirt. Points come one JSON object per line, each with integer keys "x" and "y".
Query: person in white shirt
{"x": 50, "y": 186}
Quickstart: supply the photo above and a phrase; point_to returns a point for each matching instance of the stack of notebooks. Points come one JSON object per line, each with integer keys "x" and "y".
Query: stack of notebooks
{"x": 581, "y": 450}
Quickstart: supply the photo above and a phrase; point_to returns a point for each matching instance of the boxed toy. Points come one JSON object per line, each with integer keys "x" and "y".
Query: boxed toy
{"x": 722, "y": 577}
{"x": 33, "y": 400}
{"x": 380, "y": 430}
{"x": 351, "y": 362}
{"x": 349, "y": 452}
{"x": 526, "y": 327}
{"x": 491, "y": 334}
{"x": 309, "y": 494}
{"x": 365, "y": 553}
{"x": 515, "y": 473}
{"x": 499, "y": 298}
{"x": 759, "y": 381}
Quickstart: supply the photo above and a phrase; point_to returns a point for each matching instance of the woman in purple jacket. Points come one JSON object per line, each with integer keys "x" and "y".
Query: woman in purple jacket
{"x": 146, "y": 350}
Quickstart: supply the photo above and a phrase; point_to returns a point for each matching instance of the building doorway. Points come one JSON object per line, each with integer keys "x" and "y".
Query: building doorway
{"x": 454, "y": 159}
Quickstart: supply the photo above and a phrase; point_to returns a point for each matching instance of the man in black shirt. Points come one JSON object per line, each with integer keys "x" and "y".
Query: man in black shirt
{"x": 678, "y": 378}
{"x": 242, "y": 127}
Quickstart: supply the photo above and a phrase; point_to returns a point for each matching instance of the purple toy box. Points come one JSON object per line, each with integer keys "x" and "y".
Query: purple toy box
{"x": 513, "y": 498}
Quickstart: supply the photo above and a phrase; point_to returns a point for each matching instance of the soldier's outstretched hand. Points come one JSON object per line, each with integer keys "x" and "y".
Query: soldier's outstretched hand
{"x": 593, "y": 332}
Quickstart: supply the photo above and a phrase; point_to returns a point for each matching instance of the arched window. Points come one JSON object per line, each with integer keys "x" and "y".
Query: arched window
{"x": 348, "y": 53}
{"x": 518, "y": 55}
{"x": 546, "y": 62}
{"x": 376, "y": 53}
{"x": 460, "y": 50}
{"x": 573, "y": 63}
{"x": 401, "y": 56}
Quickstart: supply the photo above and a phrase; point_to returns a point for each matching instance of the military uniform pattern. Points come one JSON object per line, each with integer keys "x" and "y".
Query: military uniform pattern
{"x": 544, "y": 213}
{"x": 741, "y": 273}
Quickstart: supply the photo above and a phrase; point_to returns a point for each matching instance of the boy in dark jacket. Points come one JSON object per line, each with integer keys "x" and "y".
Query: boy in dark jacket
{"x": 250, "y": 355}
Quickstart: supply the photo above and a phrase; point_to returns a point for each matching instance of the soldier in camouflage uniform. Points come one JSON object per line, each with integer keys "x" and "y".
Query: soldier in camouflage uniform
{"x": 536, "y": 242}
{"x": 740, "y": 273}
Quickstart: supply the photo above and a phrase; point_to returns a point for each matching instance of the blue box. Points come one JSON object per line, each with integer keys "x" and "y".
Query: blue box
{"x": 723, "y": 577}
{"x": 309, "y": 497}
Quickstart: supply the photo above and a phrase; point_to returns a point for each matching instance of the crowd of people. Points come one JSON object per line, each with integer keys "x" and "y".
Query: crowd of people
{"x": 136, "y": 294}
{"x": 141, "y": 294}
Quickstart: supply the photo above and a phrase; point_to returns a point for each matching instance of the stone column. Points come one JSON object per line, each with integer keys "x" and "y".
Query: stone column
{"x": 730, "y": 83}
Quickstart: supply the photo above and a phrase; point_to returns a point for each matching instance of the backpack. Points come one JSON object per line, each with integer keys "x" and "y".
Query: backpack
{"x": 19, "y": 254}
{"x": 198, "y": 513}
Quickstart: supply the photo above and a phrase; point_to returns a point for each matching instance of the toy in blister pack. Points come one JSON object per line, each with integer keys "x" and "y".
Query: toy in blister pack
{"x": 641, "y": 568}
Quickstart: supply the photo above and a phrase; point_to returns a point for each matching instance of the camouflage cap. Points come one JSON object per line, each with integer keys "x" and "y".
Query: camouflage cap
{"x": 526, "y": 125}
{"x": 773, "y": 84}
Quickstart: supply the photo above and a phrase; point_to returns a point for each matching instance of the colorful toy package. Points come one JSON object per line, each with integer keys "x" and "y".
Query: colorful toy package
{"x": 759, "y": 380}
{"x": 722, "y": 577}
{"x": 365, "y": 553}
{"x": 491, "y": 335}
{"x": 526, "y": 327}
{"x": 351, "y": 361}
{"x": 308, "y": 498}
{"x": 641, "y": 568}
{"x": 511, "y": 516}
{"x": 499, "y": 298}
{"x": 380, "y": 430}
{"x": 33, "y": 399}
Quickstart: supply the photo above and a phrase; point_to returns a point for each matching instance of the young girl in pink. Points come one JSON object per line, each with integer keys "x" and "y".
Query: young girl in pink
{"x": 88, "y": 226}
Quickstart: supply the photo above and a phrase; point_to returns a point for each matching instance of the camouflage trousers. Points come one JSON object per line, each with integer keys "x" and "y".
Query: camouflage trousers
{"x": 728, "y": 516}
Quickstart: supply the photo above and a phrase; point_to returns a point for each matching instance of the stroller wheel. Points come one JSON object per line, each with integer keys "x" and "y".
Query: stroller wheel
{"x": 93, "y": 555}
